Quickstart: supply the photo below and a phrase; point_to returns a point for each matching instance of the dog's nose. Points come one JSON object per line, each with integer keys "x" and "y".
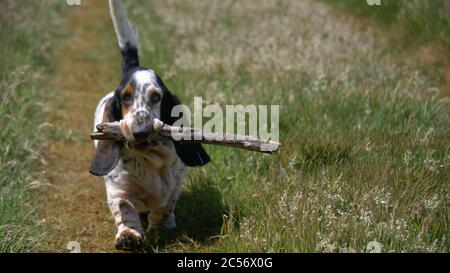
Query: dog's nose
{"x": 142, "y": 126}
{"x": 142, "y": 117}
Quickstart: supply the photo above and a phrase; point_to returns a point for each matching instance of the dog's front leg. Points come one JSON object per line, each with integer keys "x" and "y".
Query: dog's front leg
{"x": 129, "y": 231}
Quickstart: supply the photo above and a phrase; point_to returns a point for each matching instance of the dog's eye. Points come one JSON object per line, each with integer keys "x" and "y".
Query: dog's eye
{"x": 155, "y": 97}
{"x": 127, "y": 99}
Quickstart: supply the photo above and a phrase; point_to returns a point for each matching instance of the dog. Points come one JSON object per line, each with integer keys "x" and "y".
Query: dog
{"x": 143, "y": 178}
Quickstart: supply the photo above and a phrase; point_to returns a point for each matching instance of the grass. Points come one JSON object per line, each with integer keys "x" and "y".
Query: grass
{"x": 365, "y": 154}
{"x": 423, "y": 21}
{"x": 25, "y": 54}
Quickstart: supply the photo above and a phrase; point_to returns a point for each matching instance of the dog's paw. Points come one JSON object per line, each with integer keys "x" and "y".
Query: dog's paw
{"x": 129, "y": 239}
{"x": 169, "y": 222}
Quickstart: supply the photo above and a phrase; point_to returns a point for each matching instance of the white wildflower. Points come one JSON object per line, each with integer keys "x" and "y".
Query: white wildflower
{"x": 432, "y": 203}
{"x": 407, "y": 157}
{"x": 433, "y": 165}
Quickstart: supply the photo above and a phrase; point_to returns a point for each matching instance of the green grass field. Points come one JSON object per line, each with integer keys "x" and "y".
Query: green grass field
{"x": 25, "y": 54}
{"x": 366, "y": 150}
{"x": 364, "y": 157}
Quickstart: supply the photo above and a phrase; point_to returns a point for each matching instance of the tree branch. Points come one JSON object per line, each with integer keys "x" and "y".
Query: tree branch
{"x": 112, "y": 131}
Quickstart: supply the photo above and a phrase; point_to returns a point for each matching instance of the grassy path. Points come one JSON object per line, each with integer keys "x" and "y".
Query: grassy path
{"x": 365, "y": 140}
{"x": 74, "y": 208}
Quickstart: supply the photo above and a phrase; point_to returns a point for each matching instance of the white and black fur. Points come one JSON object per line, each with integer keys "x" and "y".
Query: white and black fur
{"x": 143, "y": 181}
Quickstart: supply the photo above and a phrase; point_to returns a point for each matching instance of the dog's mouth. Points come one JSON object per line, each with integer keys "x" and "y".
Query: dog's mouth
{"x": 142, "y": 144}
{"x": 145, "y": 136}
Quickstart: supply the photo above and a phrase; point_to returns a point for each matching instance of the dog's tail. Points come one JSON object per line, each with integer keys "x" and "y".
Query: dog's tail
{"x": 126, "y": 37}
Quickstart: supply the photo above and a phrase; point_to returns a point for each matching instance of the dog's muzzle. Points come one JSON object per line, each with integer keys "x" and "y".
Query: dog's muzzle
{"x": 141, "y": 129}
{"x": 142, "y": 126}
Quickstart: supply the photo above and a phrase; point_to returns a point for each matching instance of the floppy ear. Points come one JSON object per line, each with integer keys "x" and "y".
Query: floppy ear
{"x": 107, "y": 153}
{"x": 192, "y": 154}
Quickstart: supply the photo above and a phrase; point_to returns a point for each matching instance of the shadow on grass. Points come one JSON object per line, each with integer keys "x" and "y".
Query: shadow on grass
{"x": 199, "y": 216}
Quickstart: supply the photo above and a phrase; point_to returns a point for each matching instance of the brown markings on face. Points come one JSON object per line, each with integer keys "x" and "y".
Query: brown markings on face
{"x": 126, "y": 97}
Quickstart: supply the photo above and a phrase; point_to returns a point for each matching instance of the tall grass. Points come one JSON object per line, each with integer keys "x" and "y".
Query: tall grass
{"x": 364, "y": 158}
{"x": 422, "y": 20}
{"x": 25, "y": 32}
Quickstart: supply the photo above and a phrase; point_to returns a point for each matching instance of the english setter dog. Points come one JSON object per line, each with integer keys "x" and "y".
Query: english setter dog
{"x": 143, "y": 178}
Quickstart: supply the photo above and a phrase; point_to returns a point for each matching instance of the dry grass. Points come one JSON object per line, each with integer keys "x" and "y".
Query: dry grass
{"x": 350, "y": 114}
{"x": 365, "y": 152}
{"x": 416, "y": 33}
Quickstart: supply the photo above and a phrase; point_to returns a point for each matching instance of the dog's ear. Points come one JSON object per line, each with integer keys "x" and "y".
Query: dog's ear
{"x": 107, "y": 153}
{"x": 192, "y": 154}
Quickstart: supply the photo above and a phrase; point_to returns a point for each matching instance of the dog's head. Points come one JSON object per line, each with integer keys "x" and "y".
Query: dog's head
{"x": 140, "y": 98}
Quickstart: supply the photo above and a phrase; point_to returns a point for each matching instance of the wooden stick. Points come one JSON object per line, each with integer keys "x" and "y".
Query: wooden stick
{"x": 185, "y": 134}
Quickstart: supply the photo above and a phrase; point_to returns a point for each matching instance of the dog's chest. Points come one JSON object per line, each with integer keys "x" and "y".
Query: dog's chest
{"x": 155, "y": 170}
{"x": 146, "y": 163}
{"x": 150, "y": 177}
